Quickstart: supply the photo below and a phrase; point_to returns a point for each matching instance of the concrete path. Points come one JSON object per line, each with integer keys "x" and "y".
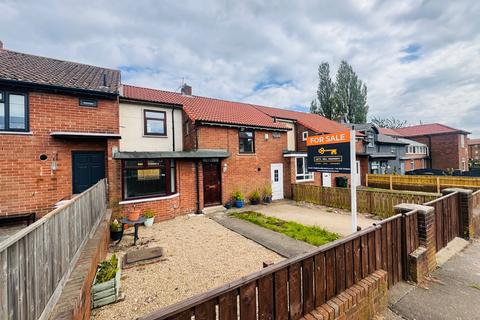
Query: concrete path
{"x": 334, "y": 220}
{"x": 277, "y": 242}
{"x": 453, "y": 294}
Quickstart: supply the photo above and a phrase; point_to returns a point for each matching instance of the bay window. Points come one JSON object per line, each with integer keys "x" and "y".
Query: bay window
{"x": 148, "y": 178}
{"x": 301, "y": 172}
{"x": 13, "y": 111}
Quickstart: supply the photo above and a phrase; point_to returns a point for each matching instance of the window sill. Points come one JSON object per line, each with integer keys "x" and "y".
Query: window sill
{"x": 149, "y": 199}
{"x": 246, "y": 154}
{"x": 154, "y": 136}
{"x": 20, "y": 133}
{"x": 305, "y": 180}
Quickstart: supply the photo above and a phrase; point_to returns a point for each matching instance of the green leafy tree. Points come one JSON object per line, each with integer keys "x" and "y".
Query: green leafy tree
{"x": 392, "y": 123}
{"x": 325, "y": 93}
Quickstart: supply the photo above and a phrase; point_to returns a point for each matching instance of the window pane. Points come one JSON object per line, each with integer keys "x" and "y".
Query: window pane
{"x": 133, "y": 163}
{"x": 172, "y": 179}
{"x": 300, "y": 166}
{"x": 155, "y": 115}
{"x": 246, "y": 134}
{"x": 2, "y": 116}
{"x": 17, "y": 112}
{"x": 156, "y": 126}
{"x": 144, "y": 182}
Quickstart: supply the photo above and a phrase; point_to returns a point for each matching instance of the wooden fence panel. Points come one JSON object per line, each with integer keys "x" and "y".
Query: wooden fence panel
{"x": 422, "y": 183}
{"x": 36, "y": 261}
{"x": 476, "y": 199}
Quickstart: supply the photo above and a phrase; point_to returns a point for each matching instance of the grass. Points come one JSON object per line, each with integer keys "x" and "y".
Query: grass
{"x": 475, "y": 286}
{"x": 314, "y": 235}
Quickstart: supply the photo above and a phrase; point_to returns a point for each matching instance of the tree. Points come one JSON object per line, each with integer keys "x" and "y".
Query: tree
{"x": 325, "y": 93}
{"x": 346, "y": 98}
{"x": 392, "y": 123}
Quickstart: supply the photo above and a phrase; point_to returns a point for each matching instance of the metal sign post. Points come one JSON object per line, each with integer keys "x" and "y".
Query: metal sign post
{"x": 335, "y": 153}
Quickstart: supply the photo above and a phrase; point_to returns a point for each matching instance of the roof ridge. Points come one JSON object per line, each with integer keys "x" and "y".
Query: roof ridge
{"x": 59, "y": 60}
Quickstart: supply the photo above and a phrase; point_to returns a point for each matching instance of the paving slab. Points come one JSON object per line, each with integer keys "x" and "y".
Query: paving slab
{"x": 454, "y": 293}
{"x": 277, "y": 242}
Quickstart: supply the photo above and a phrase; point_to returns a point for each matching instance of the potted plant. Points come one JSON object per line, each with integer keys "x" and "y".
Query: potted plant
{"x": 115, "y": 230}
{"x": 149, "y": 217}
{"x": 133, "y": 214}
{"x": 267, "y": 193}
{"x": 106, "y": 284}
{"x": 228, "y": 204}
{"x": 255, "y": 197}
{"x": 238, "y": 198}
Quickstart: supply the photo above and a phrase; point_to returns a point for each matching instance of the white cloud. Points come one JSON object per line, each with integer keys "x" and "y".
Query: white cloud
{"x": 227, "y": 48}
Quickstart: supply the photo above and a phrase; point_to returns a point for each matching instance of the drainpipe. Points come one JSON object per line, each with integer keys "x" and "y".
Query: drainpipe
{"x": 197, "y": 184}
{"x": 173, "y": 128}
{"x": 430, "y": 151}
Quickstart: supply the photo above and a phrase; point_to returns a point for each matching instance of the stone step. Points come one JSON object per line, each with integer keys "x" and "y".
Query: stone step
{"x": 214, "y": 209}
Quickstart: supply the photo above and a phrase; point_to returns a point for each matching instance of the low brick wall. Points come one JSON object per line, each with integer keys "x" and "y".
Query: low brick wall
{"x": 363, "y": 300}
{"x": 74, "y": 302}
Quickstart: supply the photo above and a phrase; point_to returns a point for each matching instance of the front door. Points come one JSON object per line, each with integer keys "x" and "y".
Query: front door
{"x": 276, "y": 173}
{"x": 88, "y": 167}
{"x": 211, "y": 183}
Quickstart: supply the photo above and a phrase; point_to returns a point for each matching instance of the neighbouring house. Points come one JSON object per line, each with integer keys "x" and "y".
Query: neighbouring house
{"x": 181, "y": 153}
{"x": 474, "y": 149}
{"x": 447, "y": 146}
{"x": 58, "y": 128}
{"x": 416, "y": 153}
{"x": 386, "y": 154}
{"x": 304, "y": 125}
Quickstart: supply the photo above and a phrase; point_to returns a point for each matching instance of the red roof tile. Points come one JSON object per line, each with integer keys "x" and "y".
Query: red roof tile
{"x": 427, "y": 129}
{"x": 389, "y": 132}
{"x": 206, "y": 109}
{"x": 312, "y": 121}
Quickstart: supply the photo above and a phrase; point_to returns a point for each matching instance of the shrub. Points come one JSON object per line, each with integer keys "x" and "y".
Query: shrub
{"x": 115, "y": 226}
{"x": 107, "y": 269}
{"x": 238, "y": 196}
{"x": 255, "y": 195}
{"x": 267, "y": 191}
{"x": 149, "y": 213}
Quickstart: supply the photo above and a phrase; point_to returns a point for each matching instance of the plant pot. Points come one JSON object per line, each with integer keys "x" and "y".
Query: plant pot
{"x": 239, "y": 203}
{"x": 228, "y": 205}
{"x": 268, "y": 199}
{"x": 133, "y": 215}
{"x": 115, "y": 235}
{"x": 149, "y": 222}
{"x": 107, "y": 292}
{"x": 255, "y": 202}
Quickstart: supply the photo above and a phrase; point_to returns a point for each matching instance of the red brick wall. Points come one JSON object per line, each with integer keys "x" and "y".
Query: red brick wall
{"x": 302, "y": 145}
{"x": 245, "y": 172}
{"x": 419, "y": 164}
{"x": 28, "y": 184}
{"x": 445, "y": 150}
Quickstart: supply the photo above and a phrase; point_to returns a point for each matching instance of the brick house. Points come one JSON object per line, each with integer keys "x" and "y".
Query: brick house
{"x": 180, "y": 153}
{"x": 447, "y": 146}
{"x": 474, "y": 149}
{"x": 58, "y": 127}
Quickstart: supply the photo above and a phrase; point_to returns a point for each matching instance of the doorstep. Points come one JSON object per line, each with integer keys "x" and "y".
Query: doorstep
{"x": 214, "y": 209}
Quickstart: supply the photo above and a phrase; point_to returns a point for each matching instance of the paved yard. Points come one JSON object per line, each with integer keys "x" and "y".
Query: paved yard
{"x": 332, "y": 219}
{"x": 199, "y": 255}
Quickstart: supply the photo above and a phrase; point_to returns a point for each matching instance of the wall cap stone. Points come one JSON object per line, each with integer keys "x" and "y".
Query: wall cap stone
{"x": 459, "y": 190}
{"x": 406, "y": 207}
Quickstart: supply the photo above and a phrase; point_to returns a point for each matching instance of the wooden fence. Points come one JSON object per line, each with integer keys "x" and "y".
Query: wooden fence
{"x": 448, "y": 222}
{"x": 421, "y": 183}
{"x": 378, "y": 202}
{"x": 476, "y": 199}
{"x": 36, "y": 261}
{"x": 296, "y": 286}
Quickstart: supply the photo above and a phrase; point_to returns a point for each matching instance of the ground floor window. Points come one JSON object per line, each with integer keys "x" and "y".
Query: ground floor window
{"x": 146, "y": 178}
{"x": 301, "y": 171}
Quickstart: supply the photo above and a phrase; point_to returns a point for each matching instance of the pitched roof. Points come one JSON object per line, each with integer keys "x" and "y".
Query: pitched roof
{"x": 472, "y": 142}
{"x": 427, "y": 129}
{"x": 27, "y": 68}
{"x": 389, "y": 132}
{"x": 205, "y": 109}
{"x": 312, "y": 121}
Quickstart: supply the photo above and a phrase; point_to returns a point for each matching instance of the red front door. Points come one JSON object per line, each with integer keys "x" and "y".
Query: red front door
{"x": 211, "y": 183}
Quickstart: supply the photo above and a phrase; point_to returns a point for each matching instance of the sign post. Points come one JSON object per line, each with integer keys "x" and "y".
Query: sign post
{"x": 335, "y": 153}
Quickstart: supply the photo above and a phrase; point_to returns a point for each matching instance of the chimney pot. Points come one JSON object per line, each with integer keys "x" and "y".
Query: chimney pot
{"x": 186, "y": 90}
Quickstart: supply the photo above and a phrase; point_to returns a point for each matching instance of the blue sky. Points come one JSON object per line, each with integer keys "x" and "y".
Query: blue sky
{"x": 419, "y": 59}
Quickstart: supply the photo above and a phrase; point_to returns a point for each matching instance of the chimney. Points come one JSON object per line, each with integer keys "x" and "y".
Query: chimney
{"x": 186, "y": 90}
{"x": 1, "y": 44}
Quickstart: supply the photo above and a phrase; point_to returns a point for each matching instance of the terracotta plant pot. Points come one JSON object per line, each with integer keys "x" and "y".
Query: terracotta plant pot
{"x": 133, "y": 215}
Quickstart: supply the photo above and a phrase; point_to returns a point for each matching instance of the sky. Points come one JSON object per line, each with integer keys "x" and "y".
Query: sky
{"x": 419, "y": 59}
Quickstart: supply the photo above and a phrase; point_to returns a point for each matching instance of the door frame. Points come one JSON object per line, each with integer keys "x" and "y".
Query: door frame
{"x": 73, "y": 164}
{"x": 219, "y": 169}
{"x": 280, "y": 177}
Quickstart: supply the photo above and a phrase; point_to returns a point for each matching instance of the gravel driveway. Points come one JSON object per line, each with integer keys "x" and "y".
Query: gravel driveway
{"x": 199, "y": 255}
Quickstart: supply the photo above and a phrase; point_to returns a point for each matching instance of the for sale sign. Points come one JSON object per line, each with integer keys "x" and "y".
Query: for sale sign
{"x": 329, "y": 152}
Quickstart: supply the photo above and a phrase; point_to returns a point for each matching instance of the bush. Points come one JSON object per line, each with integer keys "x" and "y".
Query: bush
{"x": 267, "y": 191}
{"x": 238, "y": 196}
{"x": 107, "y": 269}
{"x": 255, "y": 195}
{"x": 115, "y": 226}
{"x": 149, "y": 213}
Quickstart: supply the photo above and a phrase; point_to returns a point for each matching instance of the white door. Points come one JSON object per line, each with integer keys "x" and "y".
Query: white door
{"x": 358, "y": 179}
{"x": 326, "y": 179}
{"x": 277, "y": 180}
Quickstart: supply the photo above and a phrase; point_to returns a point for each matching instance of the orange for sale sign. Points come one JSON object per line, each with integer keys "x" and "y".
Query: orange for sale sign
{"x": 332, "y": 138}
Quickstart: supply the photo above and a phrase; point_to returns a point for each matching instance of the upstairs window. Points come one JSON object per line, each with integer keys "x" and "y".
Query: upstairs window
{"x": 304, "y": 135}
{"x": 246, "y": 141}
{"x": 13, "y": 111}
{"x": 155, "y": 123}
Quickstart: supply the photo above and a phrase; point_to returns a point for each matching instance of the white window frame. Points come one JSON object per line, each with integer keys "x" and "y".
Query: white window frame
{"x": 307, "y": 176}
{"x": 304, "y": 135}
{"x": 412, "y": 164}
{"x": 462, "y": 141}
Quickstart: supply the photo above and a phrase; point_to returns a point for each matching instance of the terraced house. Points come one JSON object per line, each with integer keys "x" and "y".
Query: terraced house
{"x": 65, "y": 125}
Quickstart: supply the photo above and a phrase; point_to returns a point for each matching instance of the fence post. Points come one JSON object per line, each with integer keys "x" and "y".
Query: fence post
{"x": 465, "y": 211}
{"x": 366, "y": 180}
{"x": 391, "y": 182}
{"x": 438, "y": 185}
{"x": 422, "y": 260}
